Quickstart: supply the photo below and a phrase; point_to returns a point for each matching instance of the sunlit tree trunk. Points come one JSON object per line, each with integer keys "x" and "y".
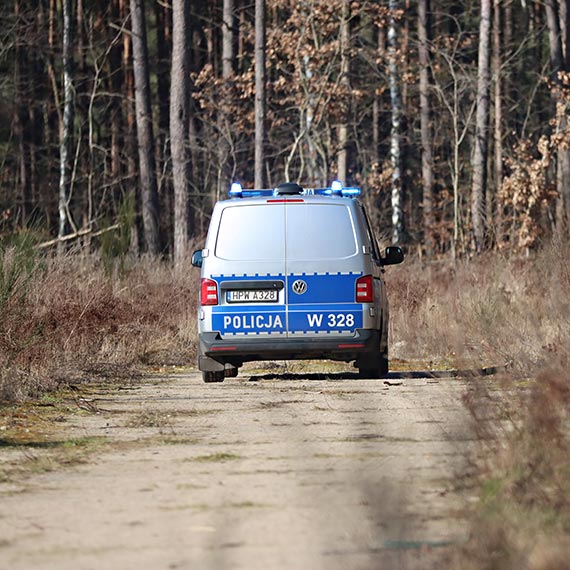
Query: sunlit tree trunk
{"x": 225, "y": 171}
{"x": 425, "y": 127}
{"x": 345, "y": 82}
{"x": 398, "y": 226}
{"x": 179, "y": 124}
{"x": 479, "y": 163}
{"x": 145, "y": 136}
{"x": 67, "y": 124}
{"x": 260, "y": 80}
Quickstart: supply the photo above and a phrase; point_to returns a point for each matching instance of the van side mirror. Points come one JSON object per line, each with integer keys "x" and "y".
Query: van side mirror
{"x": 197, "y": 258}
{"x": 392, "y": 255}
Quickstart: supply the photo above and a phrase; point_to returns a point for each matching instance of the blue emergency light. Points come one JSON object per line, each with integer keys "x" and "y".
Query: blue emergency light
{"x": 336, "y": 189}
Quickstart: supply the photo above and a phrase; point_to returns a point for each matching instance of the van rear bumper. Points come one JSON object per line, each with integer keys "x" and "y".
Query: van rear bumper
{"x": 216, "y": 351}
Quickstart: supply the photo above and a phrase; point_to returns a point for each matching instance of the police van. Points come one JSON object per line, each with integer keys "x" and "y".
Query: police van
{"x": 292, "y": 273}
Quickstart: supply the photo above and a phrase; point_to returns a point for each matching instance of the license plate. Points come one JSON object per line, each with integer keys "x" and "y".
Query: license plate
{"x": 253, "y": 296}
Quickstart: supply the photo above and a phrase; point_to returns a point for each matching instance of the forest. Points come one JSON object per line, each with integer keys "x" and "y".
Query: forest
{"x": 122, "y": 122}
{"x": 129, "y": 119}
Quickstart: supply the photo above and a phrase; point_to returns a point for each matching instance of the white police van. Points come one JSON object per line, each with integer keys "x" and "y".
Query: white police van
{"x": 292, "y": 273}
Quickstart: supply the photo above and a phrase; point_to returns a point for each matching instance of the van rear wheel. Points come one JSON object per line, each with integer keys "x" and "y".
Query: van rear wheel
{"x": 216, "y": 376}
{"x": 373, "y": 366}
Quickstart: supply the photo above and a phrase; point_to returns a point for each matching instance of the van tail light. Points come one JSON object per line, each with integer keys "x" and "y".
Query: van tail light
{"x": 365, "y": 289}
{"x": 208, "y": 292}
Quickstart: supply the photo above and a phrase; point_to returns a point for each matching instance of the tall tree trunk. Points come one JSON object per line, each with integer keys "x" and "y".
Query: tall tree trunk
{"x": 479, "y": 164}
{"x": 228, "y": 35}
{"x": 492, "y": 213}
{"x": 425, "y": 127}
{"x": 179, "y": 124}
{"x": 67, "y": 126}
{"x": 163, "y": 39}
{"x": 225, "y": 172}
{"x": 376, "y": 105}
{"x": 345, "y": 82}
{"x": 398, "y": 226}
{"x": 20, "y": 120}
{"x": 260, "y": 80}
{"x": 130, "y": 147}
{"x": 557, "y": 63}
{"x": 145, "y": 136}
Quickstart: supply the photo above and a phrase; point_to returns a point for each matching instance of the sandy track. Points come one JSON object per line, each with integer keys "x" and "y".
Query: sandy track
{"x": 264, "y": 472}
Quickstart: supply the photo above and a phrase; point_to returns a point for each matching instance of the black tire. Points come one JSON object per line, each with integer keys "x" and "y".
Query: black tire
{"x": 373, "y": 366}
{"x": 210, "y": 377}
{"x": 231, "y": 372}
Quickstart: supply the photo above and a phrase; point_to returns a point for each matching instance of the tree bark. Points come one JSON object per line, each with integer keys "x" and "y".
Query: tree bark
{"x": 179, "y": 124}
{"x": 564, "y": 153}
{"x": 398, "y": 226}
{"x": 163, "y": 39}
{"x": 260, "y": 85}
{"x": 492, "y": 213}
{"x": 228, "y": 35}
{"x": 479, "y": 163}
{"x": 345, "y": 82}
{"x": 425, "y": 126}
{"x": 145, "y": 136}
{"x": 67, "y": 123}
{"x": 557, "y": 65}
{"x": 225, "y": 171}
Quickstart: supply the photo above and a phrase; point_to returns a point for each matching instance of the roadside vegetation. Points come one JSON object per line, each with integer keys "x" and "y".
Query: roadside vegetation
{"x": 512, "y": 312}
{"x": 79, "y": 318}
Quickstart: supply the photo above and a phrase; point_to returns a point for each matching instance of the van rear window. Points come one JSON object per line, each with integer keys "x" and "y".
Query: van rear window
{"x": 314, "y": 231}
{"x": 320, "y": 231}
{"x": 252, "y": 233}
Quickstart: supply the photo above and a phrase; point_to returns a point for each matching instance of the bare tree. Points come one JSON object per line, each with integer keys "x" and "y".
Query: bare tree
{"x": 425, "y": 126}
{"x": 145, "y": 136}
{"x": 479, "y": 164}
{"x": 260, "y": 86}
{"x": 179, "y": 124}
{"x": 67, "y": 123}
{"x": 398, "y": 227}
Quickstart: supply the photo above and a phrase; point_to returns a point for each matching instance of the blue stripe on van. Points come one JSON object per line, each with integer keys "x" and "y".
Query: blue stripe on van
{"x": 323, "y": 288}
{"x": 322, "y": 318}
{"x": 328, "y": 305}
{"x": 250, "y": 322}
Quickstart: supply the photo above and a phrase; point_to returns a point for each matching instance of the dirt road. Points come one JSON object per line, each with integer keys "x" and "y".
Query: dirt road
{"x": 272, "y": 471}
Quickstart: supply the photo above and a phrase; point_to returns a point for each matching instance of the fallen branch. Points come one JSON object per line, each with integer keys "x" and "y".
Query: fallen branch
{"x": 76, "y": 235}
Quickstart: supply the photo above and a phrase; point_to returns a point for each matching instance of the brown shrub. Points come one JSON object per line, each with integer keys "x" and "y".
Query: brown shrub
{"x": 75, "y": 322}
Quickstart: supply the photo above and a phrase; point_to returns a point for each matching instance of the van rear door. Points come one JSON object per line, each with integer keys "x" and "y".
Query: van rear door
{"x": 323, "y": 263}
{"x": 248, "y": 267}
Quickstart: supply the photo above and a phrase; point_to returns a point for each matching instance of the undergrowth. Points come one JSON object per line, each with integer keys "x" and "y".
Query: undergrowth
{"x": 69, "y": 319}
{"x": 515, "y": 313}
{"x": 74, "y": 318}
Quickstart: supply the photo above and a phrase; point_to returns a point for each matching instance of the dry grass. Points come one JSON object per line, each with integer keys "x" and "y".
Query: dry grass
{"x": 488, "y": 311}
{"x": 68, "y": 321}
{"x": 515, "y": 312}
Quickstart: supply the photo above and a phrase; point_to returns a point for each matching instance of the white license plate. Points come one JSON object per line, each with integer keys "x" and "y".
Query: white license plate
{"x": 253, "y": 296}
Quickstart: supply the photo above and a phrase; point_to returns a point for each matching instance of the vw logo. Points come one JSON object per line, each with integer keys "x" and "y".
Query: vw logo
{"x": 299, "y": 287}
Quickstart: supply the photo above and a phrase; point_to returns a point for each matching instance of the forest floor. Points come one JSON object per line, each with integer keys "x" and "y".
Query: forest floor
{"x": 279, "y": 468}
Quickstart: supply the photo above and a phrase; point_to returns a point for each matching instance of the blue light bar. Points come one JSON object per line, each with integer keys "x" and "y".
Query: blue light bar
{"x": 336, "y": 189}
{"x": 254, "y": 193}
{"x": 236, "y": 190}
{"x": 349, "y": 192}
